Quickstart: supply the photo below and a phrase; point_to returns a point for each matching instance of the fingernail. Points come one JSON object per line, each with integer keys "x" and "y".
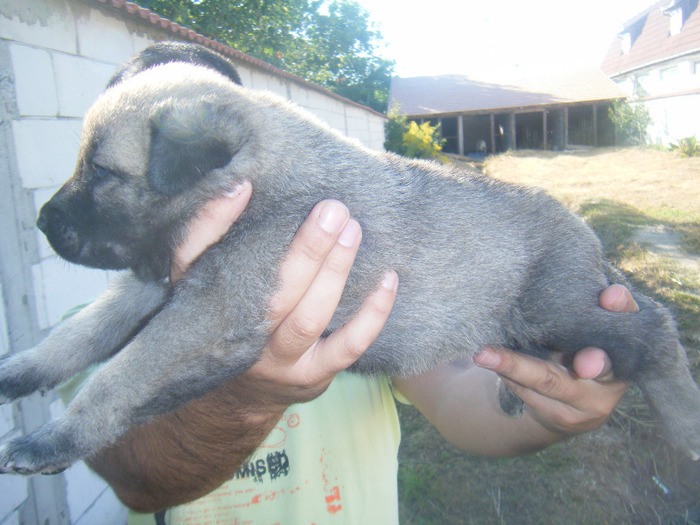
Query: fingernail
{"x": 390, "y": 281}
{"x": 237, "y": 190}
{"x": 333, "y": 216}
{"x": 487, "y": 358}
{"x": 351, "y": 234}
{"x": 619, "y": 302}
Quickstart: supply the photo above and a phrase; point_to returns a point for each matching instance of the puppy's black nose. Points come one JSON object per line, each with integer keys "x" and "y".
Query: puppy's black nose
{"x": 48, "y": 215}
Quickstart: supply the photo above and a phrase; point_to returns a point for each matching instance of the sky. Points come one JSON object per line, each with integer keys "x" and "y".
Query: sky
{"x": 433, "y": 37}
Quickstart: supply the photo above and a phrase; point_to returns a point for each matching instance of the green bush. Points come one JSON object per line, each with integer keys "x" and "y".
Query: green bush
{"x": 411, "y": 139}
{"x": 423, "y": 141}
{"x": 394, "y": 128}
{"x": 687, "y": 147}
{"x": 631, "y": 120}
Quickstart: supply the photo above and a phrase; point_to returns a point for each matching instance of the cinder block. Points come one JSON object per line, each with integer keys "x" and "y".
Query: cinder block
{"x": 103, "y": 37}
{"x": 59, "y": 286}
{"x": 6, "y": 422}
{"x": 265, "y": 82}
{"x": 106, "y": 510}
{"x": 41, "y": 196}
{"x": 46, "y": 24}
{"x": 14, "y": 492}
{"x": 79, "y": 81}
{"x": 299, "y": 95}
{"x": 139, "y": 42}
{"x": 34, "y": 81}
{"x": 82, "y": 488}
{"x": 46, "y": 150}
{"x": 12, "y": 519}
{"x": 4, "y": 338}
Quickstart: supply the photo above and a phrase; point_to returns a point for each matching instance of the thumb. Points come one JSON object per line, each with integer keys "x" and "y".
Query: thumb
{"x": 593, "y": 363}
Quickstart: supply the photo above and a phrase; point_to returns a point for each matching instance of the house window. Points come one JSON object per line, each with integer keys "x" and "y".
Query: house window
{"x": 676, "y": 21}
{"x": 669, "y": 74}
{"x": 696, "y": 68}
{"x": 626, "y": 43}
{"x": 641, "y": 85}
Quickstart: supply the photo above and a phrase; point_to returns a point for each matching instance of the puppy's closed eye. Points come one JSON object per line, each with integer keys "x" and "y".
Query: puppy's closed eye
{"x": 100, "y": 172}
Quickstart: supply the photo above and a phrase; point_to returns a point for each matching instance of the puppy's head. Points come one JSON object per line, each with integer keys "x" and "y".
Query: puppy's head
{"x": 154, "y": 147}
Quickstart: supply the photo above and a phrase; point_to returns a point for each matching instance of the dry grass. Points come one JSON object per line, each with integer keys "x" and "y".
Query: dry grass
{"x": 621, "y": 473}
{"x": 644, "y": 178}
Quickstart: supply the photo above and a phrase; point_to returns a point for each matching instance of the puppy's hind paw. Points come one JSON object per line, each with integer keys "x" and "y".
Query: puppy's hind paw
{"x": 510, "y": 403}
{"x": 37, "y": 453}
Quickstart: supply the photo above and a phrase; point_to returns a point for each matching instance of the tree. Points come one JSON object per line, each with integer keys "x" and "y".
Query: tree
{"x": 332, "y": 44}
{"x": 631, "y": 120}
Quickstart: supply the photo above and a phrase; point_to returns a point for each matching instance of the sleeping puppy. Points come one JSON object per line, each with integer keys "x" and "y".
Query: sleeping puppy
{"x": 497, "y": 264}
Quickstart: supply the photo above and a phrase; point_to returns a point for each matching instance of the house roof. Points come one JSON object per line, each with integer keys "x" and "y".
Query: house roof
{"x": 179, "y": 32}
{"x": 458, "y": 93}
{"x": 651, "y": 40}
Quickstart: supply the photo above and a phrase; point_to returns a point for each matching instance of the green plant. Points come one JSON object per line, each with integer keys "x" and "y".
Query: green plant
{"x": 423, "y": 141}
{"x": 687, "y": 147}
{"x": 411, "y": 139}
{"x": 631, "y": 120}
{"x": 394, "y": 128}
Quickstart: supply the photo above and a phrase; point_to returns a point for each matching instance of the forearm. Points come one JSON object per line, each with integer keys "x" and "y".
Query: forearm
{"x": 181, "y": 456}
{"x": 463, "y": 406}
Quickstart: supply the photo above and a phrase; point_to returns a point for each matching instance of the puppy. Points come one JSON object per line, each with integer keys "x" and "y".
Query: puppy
{"x": 481, "y": 262}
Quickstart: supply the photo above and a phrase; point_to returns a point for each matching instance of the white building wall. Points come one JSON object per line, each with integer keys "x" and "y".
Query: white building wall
{"x": 55, "y": 58}
{"x": 671, "y": 92}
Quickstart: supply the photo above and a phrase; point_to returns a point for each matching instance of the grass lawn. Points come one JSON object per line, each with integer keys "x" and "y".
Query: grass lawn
{"x": 622, "y": 473}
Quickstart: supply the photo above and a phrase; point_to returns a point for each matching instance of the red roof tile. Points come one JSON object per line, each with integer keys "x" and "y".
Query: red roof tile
{"x": 653, "y": 42}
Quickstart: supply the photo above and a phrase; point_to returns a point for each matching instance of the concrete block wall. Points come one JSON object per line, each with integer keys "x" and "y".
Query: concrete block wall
{"x": 55, "y": 58}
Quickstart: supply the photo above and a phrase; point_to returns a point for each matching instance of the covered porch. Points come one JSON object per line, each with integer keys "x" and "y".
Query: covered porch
{"x": 555, "y": 127}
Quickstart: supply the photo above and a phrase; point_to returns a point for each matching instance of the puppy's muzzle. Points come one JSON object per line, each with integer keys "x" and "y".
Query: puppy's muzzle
{"x": 64, "y": 239}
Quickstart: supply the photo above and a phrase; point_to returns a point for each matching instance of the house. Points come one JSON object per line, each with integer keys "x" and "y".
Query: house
{"x": 55, "y": 58}
{"x": 512, "y": 110}
{"x": 656, "y": 60}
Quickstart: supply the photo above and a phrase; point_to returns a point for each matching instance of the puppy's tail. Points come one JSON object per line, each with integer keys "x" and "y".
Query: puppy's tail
{"x": 644, "y": 347}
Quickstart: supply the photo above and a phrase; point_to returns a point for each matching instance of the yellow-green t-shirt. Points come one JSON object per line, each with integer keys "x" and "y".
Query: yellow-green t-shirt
{"x": 330, "y": 461}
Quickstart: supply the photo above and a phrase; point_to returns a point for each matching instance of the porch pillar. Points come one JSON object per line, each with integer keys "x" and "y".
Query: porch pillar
{"x": 595, "y": 125}
{"x": 544, "y": 129}
{"x": 460, "y": 135}
{"x": 493, "y": 133}
{"x": 566, "y": 127}
{"x": 513, "y": 138}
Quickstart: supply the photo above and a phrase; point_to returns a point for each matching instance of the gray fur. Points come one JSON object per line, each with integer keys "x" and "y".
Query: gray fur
{"x": 480, "y": 262}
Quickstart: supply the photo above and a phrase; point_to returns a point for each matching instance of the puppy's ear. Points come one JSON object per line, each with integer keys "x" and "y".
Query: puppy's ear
{"x": 184, "y": 147}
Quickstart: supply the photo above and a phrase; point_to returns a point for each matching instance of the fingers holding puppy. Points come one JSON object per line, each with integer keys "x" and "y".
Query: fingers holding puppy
{"x": 297, "y": 363}
{"x": 313, "y": 277}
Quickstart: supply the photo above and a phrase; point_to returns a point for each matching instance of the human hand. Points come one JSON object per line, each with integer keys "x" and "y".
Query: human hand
{"x": 561, "y": 400}
{"x": 297, "y": 364}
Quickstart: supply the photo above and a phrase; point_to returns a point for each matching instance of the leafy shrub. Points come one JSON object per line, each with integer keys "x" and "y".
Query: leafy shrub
{"x": 631, "y": 120}
{"x": 394, "y": 128}
{"x": 687, "y": 147}
{"x": 411, "y": 139}
{"x": 423, "y": 141}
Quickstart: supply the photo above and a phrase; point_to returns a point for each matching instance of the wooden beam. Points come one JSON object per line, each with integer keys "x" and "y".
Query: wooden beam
{"x": 595, "y": 125}
{"x": 544, "y": 129}
{"x": 460, "y": 135}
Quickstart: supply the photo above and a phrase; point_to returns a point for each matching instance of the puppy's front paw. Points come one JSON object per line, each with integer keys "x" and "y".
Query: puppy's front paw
{"x": 42, "y": 452}
{"x": 17, "y": 379}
